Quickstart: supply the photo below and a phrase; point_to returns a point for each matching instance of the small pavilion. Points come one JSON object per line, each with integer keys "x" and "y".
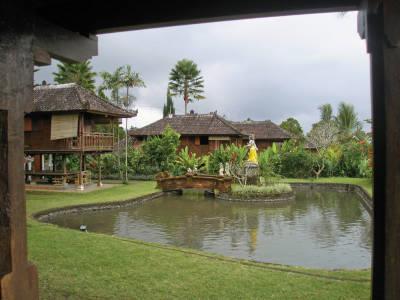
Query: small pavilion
{"x": 67, "y": 120}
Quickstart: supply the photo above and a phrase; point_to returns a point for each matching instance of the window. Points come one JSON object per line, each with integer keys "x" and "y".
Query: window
{"x": 204, "y": 140}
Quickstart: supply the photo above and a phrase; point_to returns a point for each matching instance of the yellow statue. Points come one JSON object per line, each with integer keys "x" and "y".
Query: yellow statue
{"x": 252, "y": 157}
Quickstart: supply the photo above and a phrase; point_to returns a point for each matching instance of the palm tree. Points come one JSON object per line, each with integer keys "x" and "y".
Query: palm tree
{"x": 185, "y": 80}
{"x": 326, "y": 112}
{"x": 80, "y": 73}
{"x": 113, "y": 83}
{"x": 346, "y": 120}
{"x": 129, "y": 80}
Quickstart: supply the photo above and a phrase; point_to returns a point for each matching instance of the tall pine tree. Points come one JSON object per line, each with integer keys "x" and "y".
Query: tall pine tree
{"x": 169, "y": 106}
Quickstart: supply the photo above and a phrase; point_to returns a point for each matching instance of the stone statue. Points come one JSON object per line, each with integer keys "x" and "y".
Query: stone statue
{"x": 251, "y": 167}
{"x": 227, "y": 169}
{"x": 252, "y": 156}
{"x": 28, "y": 166}
{"x": 221, "y": 169}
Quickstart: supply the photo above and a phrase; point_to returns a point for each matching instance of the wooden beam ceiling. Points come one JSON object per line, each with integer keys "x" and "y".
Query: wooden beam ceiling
{"x": 104, "y": 17}
{"x": 57, "y": 42}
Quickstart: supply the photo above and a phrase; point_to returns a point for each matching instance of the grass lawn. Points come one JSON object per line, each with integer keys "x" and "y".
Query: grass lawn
{"x": 363, "y": 182}
{"x": 75, "y": 265}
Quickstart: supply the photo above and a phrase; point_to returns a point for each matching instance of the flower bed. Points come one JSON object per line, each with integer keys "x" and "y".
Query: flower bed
{"x": 270, "y": 193}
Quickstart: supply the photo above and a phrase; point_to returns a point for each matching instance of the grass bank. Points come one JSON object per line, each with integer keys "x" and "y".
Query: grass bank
{"x": 75, "y": 265}
{"x": 363, "y": 182}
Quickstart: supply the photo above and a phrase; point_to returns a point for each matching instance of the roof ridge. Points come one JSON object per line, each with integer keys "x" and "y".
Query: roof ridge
{"x": 55, "y": 86}
{"x": 99, "y": 98}
{"x": 228, "y": 123}
{"x": 77, "y": 89}
{"x": 252, "y": 122}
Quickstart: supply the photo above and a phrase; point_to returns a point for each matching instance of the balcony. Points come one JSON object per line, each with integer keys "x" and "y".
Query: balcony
{"x": 94, "y": 141}
{"x": 89, "y": 142}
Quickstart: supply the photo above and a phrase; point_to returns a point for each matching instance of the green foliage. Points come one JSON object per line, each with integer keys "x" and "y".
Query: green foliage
{"x": 159, "y": 152}
{"x": 186, "y": 160}
{"x": 169, "y": 106}
{"x": 347, "y": 121}
{"x": 80, "y": 73}
{"x": 326, "y": 112}
{"x": 293, "y": 161}
{"x": 269, "y": 162}
{"x": 332, "y": 160}
{"x": 185, "y": 80}
{"x": 354, "y": 160}
{"x": 225, "y": 154}
{"x": 253, "y": 191}
{"x": 293, "y": 126}
{"x": 112, "y": 82}
{"x": 130, "y": 79}
{"x": 296, "y": 162}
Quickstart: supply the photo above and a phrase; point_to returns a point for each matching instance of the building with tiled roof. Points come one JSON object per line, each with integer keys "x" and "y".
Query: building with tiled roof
{"x": 203, "y": 133}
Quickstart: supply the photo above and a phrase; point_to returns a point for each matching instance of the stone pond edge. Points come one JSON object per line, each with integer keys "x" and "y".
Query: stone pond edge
{"x": 48, "y": 213}
{"x": 366, "y": 199}
{"x": 44, "y": 215}
{"x": 277, "y": 198}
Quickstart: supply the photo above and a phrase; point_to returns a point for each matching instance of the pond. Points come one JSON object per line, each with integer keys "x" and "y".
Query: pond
{"x": 321, "y": 228}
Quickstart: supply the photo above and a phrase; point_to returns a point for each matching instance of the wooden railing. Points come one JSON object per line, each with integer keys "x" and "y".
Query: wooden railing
{"x": 166, "y": 182}
{"x": 93, "y": 141}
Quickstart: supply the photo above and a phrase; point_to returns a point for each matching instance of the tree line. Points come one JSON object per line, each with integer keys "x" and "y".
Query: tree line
{"x": 185, "y": 81}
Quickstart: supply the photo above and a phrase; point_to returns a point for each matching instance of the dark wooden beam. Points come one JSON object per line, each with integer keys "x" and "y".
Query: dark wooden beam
{"x": 5, "y": 230}
{"x": 382, "y": 22}
{"x": 129, "y": 15}
{"x": 41, "y": 57}
{"x": 18, "y": 278}
{"x": 63, "y": 44}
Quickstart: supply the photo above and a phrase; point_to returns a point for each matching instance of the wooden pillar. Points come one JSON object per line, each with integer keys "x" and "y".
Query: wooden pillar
{"x": 64, "y": 165}
{"x": 99, "y": 183}
{"x": 18, "y": 278}
{"x": 382, "y": 30}
{"x": 81, "y": 168}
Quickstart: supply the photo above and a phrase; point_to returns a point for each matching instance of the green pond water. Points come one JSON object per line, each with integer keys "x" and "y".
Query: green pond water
{"x": 320, "y": 229}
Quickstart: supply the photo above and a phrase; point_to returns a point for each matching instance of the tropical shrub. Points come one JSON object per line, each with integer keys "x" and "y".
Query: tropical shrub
{"x": 269, "y": 162}
{"x": 332, "y": 156}
{"x": 226, "y": 154}
{"x": 296, "y": 162}
{"x": 159, "y": 152}
{"x": 186, "y": 160}
{"x": 352, "y": 162}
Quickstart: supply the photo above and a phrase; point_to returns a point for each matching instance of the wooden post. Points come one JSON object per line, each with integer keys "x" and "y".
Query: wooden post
{"x": 80, "y": 176}
{"x": 18, "y": 278}
{"x": 64, "y": 164}
{"x": 382, "y": 30}
{"x": 99, "y": 183}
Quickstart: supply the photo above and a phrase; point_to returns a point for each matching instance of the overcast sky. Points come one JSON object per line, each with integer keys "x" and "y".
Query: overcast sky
{"x": 269, "y": 68}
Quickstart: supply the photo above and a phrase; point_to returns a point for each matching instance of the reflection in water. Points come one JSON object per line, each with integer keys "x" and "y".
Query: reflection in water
{"x": 321, "y": 228}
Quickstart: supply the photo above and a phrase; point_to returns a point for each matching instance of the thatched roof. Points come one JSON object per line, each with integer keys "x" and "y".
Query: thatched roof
{"x": 212, "y": 124}
{"x": 72, "y": 97}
